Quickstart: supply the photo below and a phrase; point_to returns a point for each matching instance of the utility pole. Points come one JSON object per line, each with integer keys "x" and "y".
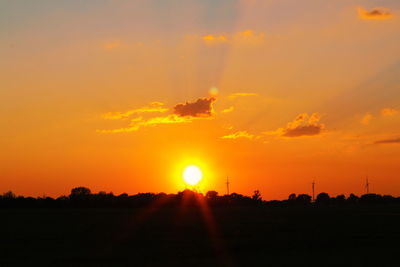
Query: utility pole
{"x": 367, "y": 185}
{"x": 227, "y": 185}
{"x": 313, "y": 191}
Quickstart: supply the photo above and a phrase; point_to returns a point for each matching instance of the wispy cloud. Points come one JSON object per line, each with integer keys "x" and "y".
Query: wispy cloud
{"x": 374, "y": 14}
{"x": 249, "y": 37}
{"x": 366, "y": 119}
{"x": 154, "y": 107}
{"x": 181, "y": 113}
{"x": 303, "y": 125}
{"x": 389, "y": 112}
{"x": 303, "y": 130}
{"x": 112, "y": 45}
{"x": 235, "y": 95}
{"x": 215, "y": 39}
{"x": 240, "y": 134}
{"x": 139, "y": 122}
{"x": 388, "y": 141}
{"x": 227, "y": 110}
{"x": 385, "y": 112}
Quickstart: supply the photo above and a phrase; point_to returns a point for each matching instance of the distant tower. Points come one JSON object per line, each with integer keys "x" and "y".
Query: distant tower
{"x": 313, "y": 191}
{"x": 227, "y": 185}
{"x": 367, "y": 185}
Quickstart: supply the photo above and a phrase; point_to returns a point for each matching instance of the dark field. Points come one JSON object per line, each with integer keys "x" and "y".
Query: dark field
{"x": 248, "y": 236}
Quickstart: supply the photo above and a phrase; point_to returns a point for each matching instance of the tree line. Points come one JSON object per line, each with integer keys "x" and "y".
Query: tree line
{"x": 82, "y": 197}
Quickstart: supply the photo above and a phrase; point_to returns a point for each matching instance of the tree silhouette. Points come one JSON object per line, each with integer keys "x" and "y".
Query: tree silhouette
{"x": 212, "y": 194}
{"x": 80, "y": 191}
{"x": 340, "y": 199}
{"x": 353, "y": 198}
{"x": 323, "y": 198}
{"x": 303, "y": 199}
{"x": 80, "y": 196}
{"x": 371, "y": 199}
{"x": 257, "y": 195}
{"x": 9, "y": 195}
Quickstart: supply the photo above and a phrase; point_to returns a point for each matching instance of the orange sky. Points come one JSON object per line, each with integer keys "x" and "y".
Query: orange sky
{"x": 121, "y": 95}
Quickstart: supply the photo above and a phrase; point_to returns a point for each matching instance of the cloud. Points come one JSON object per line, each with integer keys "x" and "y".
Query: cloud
{"x": 374, "y": 14}
{"x": 182, "y": 113}
{"x": 156, "y": 103}
{"x": 249, "y": 37}
{"x": 366, "y": 119}
{"x": 169, "y": 119}
{"x": 243, "y": 37}
{"x": 139, "y": 122}
{"x": 385, "y": 112}
{"x": 240, "y": 134}
{"x": 154, "y": 107}
{"x": 227, "y": 110}
{"x": 388, "y": 141}
{"x": 112, "y": 45}
{"x": 389, "y": 112}
{"x": 303, "y": 125}
{"x": 202, "y": 107}
{"x": 235, "y": 95}
{"x": 215, "y": 39}
{"x": 303, "y": 130}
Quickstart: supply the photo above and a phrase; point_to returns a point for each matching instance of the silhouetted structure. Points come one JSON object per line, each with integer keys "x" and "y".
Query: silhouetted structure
{"x": 313, "y": 191}
{"x": 227, "y": 185}
{"x": 82, "y": 197}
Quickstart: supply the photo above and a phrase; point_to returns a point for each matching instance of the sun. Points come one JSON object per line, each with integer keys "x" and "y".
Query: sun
{"x": 192, "y": 175}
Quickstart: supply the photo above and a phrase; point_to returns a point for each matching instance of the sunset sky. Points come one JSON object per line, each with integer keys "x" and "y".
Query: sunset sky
{"x": 121, "y": 95}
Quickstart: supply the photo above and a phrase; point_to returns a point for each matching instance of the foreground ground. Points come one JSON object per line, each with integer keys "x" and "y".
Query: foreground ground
{"x": 237, "y": 236}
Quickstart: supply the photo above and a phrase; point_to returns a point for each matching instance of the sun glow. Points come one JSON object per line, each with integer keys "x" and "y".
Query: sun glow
{"x": 192, "y": 175}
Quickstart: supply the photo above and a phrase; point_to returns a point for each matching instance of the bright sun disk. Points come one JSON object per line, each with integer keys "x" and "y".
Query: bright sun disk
{"x": 192, "y": 175}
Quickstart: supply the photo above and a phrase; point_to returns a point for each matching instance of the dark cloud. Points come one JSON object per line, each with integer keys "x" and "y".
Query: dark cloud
{"x": 388, "y": 141}
{"x": 182, "y": 113}
{"x": 202, "y": 107}
{"x": 303, "y": 130}
{"x": 376, "y": 13}
{"x": 303, "y": 125}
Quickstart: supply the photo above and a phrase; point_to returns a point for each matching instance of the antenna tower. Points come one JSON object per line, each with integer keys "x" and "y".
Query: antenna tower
{"x": 227, "y": 185}
{"x": 313, "y": 191}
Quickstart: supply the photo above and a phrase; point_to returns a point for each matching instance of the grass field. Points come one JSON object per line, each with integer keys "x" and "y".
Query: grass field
{"x": 238, "y": 236}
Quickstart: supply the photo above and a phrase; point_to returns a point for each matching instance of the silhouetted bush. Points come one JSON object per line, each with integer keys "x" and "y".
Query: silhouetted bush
{"x": 323, "y": 198}
{"x": 212, "y": 195}
{"x": 352, "y": 199}
{"x": 371, "y": 199}
{"x": 257, "y": 196}
{"x": 9, "y": 195}
{"x": 292, "y": 197}
{"x": 303, "y": 199}
{"x": 339, "y": 200}
{"x": 80, "y": 192}
{"x": 81, "y": 197}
